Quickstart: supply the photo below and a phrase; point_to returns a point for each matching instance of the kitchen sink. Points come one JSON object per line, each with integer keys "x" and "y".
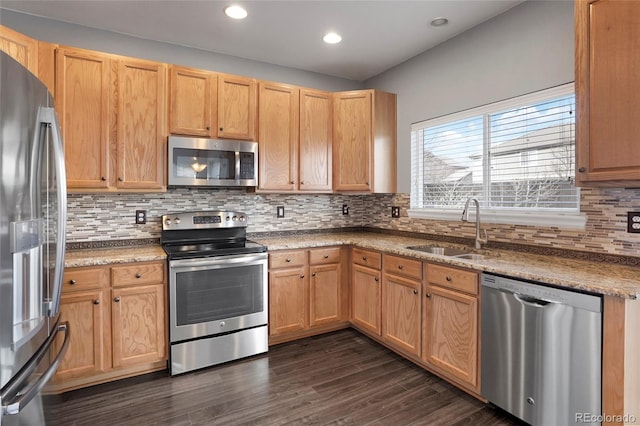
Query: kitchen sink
{"x": 458, "y": 253}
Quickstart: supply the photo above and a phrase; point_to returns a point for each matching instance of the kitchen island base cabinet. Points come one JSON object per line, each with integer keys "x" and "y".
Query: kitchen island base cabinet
{"x": 117, "y": 318}
{"x": 306, "y": 295}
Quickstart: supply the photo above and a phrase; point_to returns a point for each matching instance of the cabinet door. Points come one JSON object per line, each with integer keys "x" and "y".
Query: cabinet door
{"x": 83, "y": 102}
{"x": 324, "y": 300}
{"x": 86, "y": 353}
{"x": 288, "y": 300}
{"x": 141, "y": 125}
{"x": 193, "y": 106}
{"x": 20, "y": 47}
{"x": 450, "y": 340}
{"x": 352, "y": 136}
{"x": 401, "y": 313}
{"x": 365, "y": 298}
{"x": 138, "y": 324}
{"x": 237, "y": 105}
{"x": 607, "y": 84}
{"x": 278, "y": 136}
{"x": 315, "y": 141}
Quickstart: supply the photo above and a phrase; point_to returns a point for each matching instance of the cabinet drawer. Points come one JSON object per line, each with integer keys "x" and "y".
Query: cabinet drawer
{"x": 138, "y": 273}
{"x": 402, "y": 266}
{"x": 367, "y": 258}
{"x": 453, "y": 278}
{"x": 287, "y": 259}
{"x": 84, "y": 278}
{"x": 325, "y": 255}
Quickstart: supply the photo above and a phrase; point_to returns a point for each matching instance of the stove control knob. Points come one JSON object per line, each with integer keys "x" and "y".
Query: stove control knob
{"x": 227, "y": 219}
{"x": 243, "y": 219}
{"x": 235, "y": 218}
{"x": 167, "y": 222}
{"x": 177, "y": 220}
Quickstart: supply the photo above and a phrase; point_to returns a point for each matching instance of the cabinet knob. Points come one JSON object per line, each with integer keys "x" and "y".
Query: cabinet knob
{"x": 117, "y": 299}
{"x": 301, "y": 275}
{"x": 364, "y": 258}
{"x": 138, "y": 275}
{"x": 288, "y": 260}
{"x": 582, "y": 170}
{"x": 313, "y": 275}
{"x": 301, "y": 182}
{"x": 448, "y": 278}
{"x": 400, "y": 267}
{"x": 377, "y": 279}
{"x": 103, "y": 178}
{"x": 72, "y": 282}
{"x": 96, "y": 302}
{"x": 415, "y": 291}
{"x": 208, "y": 128}
{"x": 367, "y": 183}
{"x": 221, "y": 129}
{"x": 326, "y": 256}
{"x": 428, "y": 295}
{"x": 121, "y": 179}
{"x": 292, "y": 182}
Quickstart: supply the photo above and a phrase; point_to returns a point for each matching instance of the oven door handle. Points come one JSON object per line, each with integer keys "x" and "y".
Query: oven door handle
{"x": 220, "y": 260}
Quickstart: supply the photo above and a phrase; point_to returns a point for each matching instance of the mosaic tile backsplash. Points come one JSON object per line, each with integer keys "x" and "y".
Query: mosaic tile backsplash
{"x": 99, "y": 217}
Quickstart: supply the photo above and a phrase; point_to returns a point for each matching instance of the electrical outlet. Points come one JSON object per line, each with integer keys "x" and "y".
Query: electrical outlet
{"x": 395, "y": 211}
{"x": 280, "y": 211}
{"x": 345, "y": 209}
{"x": 141, "y": 217}
{"x": 633, "y": 222}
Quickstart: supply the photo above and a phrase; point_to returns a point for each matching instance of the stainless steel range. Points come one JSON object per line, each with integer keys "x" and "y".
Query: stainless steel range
{"x": 217, "y": 289}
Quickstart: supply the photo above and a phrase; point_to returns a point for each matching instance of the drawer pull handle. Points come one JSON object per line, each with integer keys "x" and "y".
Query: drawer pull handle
{"x": 138, "y": 275}
{"x": 400, "y": 267}
{"x": 96, "y": 302}
{"x": 72, "y": 282}
{"x": 448, "y": 278}
{"x": 288, "y": 260}
{"x": 364, "y": 258}
{"x": 117, "y": 299}
{"x": 415, "y": 291}
{"x": 313, "y": 275}
{"x": 301, "y": 275}
{"x": 428, "y": 295}
{"x": 326, "y": 256}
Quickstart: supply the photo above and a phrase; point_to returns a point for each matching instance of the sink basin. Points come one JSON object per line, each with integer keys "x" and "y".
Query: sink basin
{"x": 470, "y": 256}
{"x": 442, "y": 251}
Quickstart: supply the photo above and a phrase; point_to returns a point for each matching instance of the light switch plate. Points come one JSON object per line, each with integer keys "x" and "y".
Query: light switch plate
{"x": 633, "y": 222}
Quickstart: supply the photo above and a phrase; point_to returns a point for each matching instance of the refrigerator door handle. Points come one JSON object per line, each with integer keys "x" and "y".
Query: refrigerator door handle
{"x": 20, "y": 398}
{"x": 50, "y": 116}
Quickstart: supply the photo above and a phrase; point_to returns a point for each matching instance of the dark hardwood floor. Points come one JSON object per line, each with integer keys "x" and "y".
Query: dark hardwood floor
{"x": 341, "y": 378}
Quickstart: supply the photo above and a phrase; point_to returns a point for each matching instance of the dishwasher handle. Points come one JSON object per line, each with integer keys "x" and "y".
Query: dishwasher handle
{"x": 532, "y": 301}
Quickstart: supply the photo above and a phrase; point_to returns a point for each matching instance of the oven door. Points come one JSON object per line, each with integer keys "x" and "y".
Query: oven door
{"x": 217, "y": 295}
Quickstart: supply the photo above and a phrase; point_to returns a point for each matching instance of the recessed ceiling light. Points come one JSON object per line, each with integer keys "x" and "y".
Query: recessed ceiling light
{"x": 332, "y": 38}
{"x": 439, "y": 22}
{"x": 235, "y": 12}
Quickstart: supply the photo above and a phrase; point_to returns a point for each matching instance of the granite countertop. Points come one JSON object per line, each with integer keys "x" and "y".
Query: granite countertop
{"x": 107, "y": 256}
{"x": 598, "y": 277}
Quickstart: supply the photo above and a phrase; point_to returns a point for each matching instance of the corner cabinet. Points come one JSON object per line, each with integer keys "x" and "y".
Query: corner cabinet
{"x": 112, "y": 114}
{"x": 20, "y": 47}
{"x": 364, "y": 141}
{"x": 117, "y": 316}
{"x": 607, "y": 43}
{"x": 451, "y": 324}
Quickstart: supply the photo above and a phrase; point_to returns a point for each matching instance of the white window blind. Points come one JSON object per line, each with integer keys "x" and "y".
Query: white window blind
{"x": 516, "y": 155}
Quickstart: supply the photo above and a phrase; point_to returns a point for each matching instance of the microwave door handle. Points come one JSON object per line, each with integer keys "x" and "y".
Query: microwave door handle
{"x": 22, "y": 398}
{"x": 50, "y": 117}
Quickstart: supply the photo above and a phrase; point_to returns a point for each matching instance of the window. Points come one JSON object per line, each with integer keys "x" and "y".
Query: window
{"x": 516, "y": 157}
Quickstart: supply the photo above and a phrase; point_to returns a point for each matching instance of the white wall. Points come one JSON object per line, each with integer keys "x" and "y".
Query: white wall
{"x": 105, "y": 41}
{"x": 528, "y": 48}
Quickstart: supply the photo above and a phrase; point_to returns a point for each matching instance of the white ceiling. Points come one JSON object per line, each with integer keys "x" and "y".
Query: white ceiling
{"x": 376, "y": 34}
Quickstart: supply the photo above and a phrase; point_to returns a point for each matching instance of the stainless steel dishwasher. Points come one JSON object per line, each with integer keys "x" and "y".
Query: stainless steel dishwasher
{"x": 541, "y": 351}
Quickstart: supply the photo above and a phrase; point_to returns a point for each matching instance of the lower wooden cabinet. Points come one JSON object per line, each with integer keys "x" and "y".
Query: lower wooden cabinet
{"x": 451, "y": 323}
{"x": 366, "y": 291}
{"x": 117, "y": 319}
{"x": 306, "y": 294}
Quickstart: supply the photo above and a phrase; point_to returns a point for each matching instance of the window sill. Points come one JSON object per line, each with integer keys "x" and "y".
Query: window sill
{"x": 575, "y": 221}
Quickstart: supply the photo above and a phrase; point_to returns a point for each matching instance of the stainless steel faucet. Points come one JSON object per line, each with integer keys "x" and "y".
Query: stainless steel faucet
{"x": 465, "y": 218}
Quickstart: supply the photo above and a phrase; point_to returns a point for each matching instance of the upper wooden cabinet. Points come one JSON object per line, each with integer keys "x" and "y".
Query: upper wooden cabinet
{"x": 98, "y": 92}
{"x": 141, "y": 133}
{"x": 364, "y": 141}
{"x": 237, "y": 106}
{"x": 278, "y": 137}
{"x": 315, "y": 152}
{"x": 607, "y": 83}
{"x": 193, "y": 108}
{"x": 20, "y": 47}
{"x": 83, "y": 99}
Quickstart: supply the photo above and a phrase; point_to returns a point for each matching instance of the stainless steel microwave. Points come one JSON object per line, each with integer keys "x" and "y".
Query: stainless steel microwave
{"x": 212, "y": 162}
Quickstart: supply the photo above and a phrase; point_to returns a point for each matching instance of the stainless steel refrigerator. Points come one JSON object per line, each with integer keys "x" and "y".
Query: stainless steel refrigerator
{"x": 32, "y": 241}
